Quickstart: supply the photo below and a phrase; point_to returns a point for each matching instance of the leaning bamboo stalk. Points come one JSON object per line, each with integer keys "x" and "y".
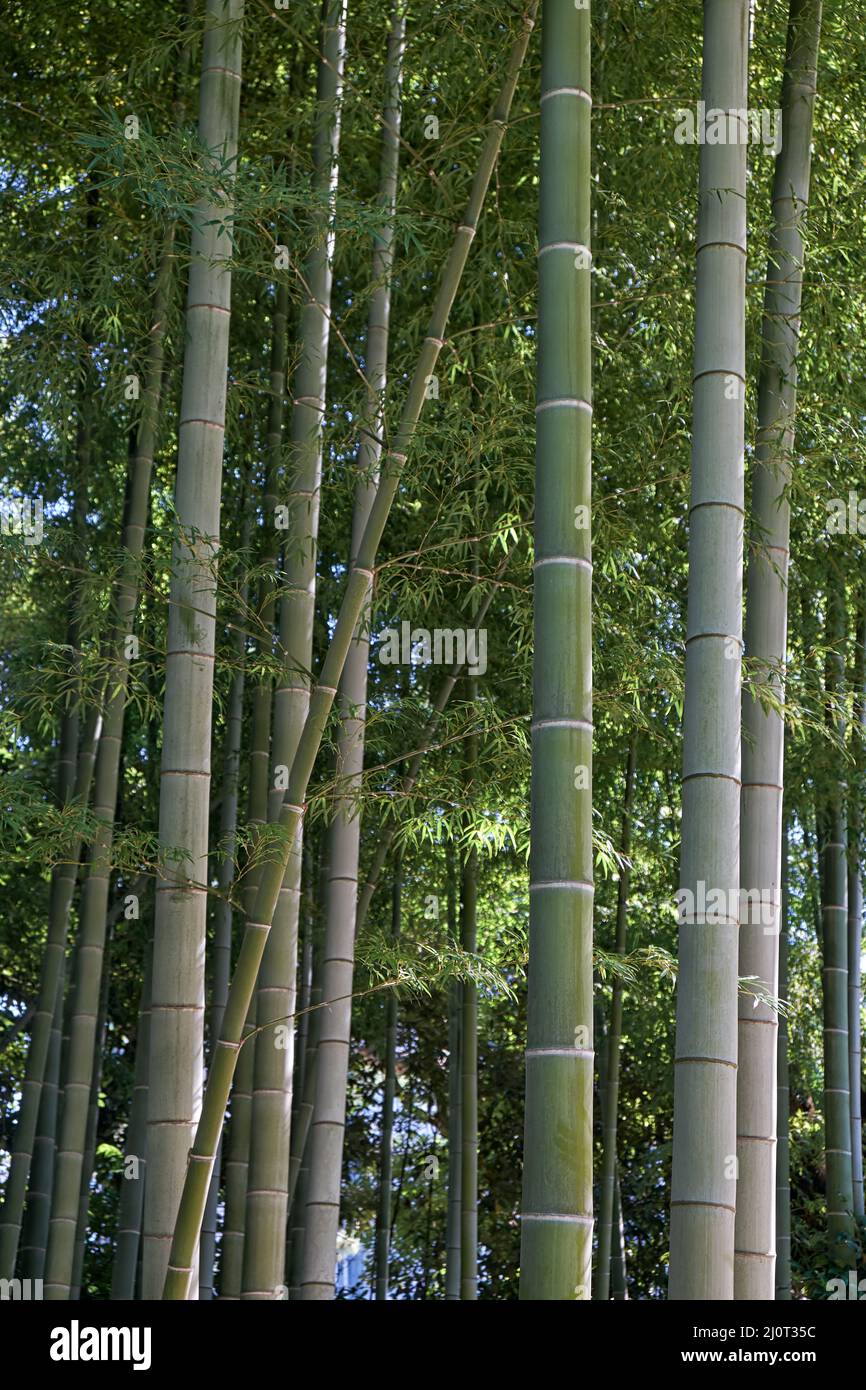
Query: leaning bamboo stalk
{"x": 201, "y": 1157}
{"x": 556, "y": 1216}
{"x": 766, "y": 640}
{"x": 267, "y": 1190}
{"x": 181, "y": 901}
{"x": 703, "y": 1181}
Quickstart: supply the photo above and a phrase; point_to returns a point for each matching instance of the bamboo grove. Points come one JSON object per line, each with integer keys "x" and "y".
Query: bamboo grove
{"x": 433, "y": 632}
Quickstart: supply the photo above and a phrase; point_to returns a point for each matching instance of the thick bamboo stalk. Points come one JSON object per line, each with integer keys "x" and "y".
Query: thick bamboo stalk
{"x": 607, "y": 1193}
{"x": 834, "y": 974}
{"x": 783, "y": 1107}
{"x": 267, "y": 1191}
{"x": 201, "y": 1157}
{"x": 386, "y": 1156}
{"x": 131, "y": 1205}
{"x": 556, "y": 1246}
{"x": 181, "y": 900}
{"x": 766, "y": 639}
{"x": 703, "y": 1184}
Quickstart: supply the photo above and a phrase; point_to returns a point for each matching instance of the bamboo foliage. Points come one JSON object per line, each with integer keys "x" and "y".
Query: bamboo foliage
{"x": 177, "y": 1007}
{"x": 556, "y": 1243}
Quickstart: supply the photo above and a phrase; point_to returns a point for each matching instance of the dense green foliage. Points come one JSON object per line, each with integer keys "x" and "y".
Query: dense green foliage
{"x": 85, "y": 211}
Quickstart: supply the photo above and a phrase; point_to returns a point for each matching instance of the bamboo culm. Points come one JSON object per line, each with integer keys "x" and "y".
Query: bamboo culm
{"x": 783, "y": 1105}
{"x": 389, "y": 1091}
{"x": 177, "y": 1008}
{"x": 703, "y": 1182}
{"x": 556, "y": 1216}
{"x": 607, "y": 1195}
{"x": 834, "y": 971}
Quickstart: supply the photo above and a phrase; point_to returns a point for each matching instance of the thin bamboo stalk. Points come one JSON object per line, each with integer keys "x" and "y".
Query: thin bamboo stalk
{"x": 606, "y": 1224}
{"x": 834, "y": 974}
{"x": 455, "y": 1141}
{"x": 90, "y": 1137}
{"x": 131, "y": 1205}
{"x": 386, "y": 1156}
{"x": 855, "y": 914}
{"x": 469, "y": 1046}
{"x": 38, "y": 1214}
